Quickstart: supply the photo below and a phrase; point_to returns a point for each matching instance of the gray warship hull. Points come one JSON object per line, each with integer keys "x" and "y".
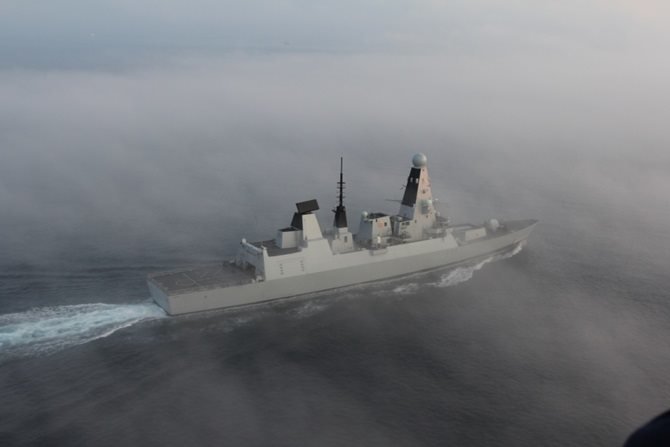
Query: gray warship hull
{"x": 228, "y": 285}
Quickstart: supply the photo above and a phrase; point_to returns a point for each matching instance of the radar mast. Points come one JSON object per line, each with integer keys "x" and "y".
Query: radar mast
{"x": 340, "y": 211}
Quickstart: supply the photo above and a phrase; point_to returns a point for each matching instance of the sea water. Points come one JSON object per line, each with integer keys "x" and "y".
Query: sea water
{"x": 545, "y": 345}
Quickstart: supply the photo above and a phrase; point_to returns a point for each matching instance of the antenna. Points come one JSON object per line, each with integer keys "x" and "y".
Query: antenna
{"x": 340, "y": 184}
{"x": 340, "y": 211}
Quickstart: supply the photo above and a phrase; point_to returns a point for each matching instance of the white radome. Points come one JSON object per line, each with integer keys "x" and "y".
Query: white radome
{"x": 419, "y": 160}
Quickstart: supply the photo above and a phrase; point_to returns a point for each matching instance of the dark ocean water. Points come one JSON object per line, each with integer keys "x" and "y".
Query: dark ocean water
{"x": 564, "y": 343}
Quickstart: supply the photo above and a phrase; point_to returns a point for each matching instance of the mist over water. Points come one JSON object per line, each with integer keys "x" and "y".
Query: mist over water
{"x": 142, "y": 137}
{"x": 45, "y": 330}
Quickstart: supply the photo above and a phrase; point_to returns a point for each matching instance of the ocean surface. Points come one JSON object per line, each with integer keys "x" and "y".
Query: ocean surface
{"x": 563, "y": 343}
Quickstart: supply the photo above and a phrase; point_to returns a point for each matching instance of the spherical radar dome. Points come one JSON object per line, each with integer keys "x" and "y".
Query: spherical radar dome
{"x": 419, "y": 160}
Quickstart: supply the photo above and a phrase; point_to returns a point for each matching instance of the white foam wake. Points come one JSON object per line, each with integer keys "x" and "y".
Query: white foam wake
{"x": 406, "y": 289}
{"x": 462, "y": 274}
{"x": 48, "y": 329}
{"x": 457, "y": 275}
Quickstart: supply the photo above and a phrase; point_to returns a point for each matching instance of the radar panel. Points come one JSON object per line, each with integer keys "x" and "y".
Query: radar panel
{"x": 307, "y": 206}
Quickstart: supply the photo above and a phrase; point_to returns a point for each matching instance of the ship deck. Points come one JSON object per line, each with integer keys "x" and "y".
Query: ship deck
{"x": 516, "y": 225}
{"x": 226, "y": 274}
{"x": 272, "y": 248}
{"x": 201, "y": 278}
{"x": 505, "y": 227}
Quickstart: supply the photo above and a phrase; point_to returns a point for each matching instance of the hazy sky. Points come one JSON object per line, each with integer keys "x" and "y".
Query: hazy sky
{"x": 472, "y": 25}
{"x": 126, "y": 120}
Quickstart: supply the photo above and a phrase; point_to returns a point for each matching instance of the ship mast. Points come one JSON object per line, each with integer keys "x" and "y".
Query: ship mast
{"x": 340, "y": 211}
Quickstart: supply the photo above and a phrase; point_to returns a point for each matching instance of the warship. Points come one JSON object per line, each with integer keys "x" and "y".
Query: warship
{"x": 302, "y": 258}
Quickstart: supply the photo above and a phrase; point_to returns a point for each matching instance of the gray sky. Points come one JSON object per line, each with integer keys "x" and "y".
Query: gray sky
{"x": 473, "y": 25}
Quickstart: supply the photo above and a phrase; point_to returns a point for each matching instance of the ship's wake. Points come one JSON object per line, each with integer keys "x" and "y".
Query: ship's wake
{"x": 459, "y": 274}
{"x": 46, "y": 330}
{"x": 462, "y": 274}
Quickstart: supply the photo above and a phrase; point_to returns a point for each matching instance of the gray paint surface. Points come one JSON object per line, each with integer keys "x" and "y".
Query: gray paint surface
{"x": 391, "y": 263}
{"x": 417, "y": 238}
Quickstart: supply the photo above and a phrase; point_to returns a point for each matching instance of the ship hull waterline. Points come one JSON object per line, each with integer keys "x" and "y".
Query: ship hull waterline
{"x": 384, "y": 267}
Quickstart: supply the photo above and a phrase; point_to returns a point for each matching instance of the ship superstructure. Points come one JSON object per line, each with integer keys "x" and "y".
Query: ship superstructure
{"x": 303, "y": 259}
